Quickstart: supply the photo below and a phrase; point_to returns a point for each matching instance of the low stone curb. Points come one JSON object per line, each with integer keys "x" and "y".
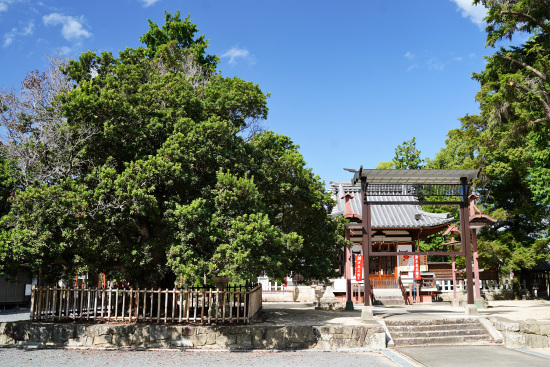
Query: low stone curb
{"x": 248, "y": 337}
{"x": 528, "y": 334}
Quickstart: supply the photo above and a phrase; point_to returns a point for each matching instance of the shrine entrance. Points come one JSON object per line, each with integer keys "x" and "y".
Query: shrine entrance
{"x": 383, "y": 267}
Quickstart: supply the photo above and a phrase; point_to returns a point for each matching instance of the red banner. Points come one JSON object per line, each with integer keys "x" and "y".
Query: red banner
{"x": 359, "y": 268}
{"x": 417, "y": 268}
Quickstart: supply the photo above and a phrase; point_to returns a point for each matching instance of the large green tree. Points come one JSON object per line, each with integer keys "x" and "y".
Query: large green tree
{"x": 514, "y": 99}
{"x": 175, "y": 178}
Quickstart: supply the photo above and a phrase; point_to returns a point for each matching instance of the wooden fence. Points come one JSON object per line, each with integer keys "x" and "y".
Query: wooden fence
{"x": 384, "y": 283}
{"x": 197, "y": 305}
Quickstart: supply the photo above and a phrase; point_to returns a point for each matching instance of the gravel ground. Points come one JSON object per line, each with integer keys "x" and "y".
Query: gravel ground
{"x": 15, "y": 357}
{"x": 14, "y": 314}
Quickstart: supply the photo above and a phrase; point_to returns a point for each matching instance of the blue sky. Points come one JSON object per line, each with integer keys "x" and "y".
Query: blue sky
{"x": 349, "y": 80}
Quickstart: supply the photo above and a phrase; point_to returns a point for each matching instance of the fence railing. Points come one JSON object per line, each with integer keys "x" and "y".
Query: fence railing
{"x": 384, "y": 283}
{"x": 197, "y": 305}
{"x": 485, "y": 285}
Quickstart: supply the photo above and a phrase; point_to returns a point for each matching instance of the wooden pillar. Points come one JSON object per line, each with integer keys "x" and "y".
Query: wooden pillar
{"x": 465, "y": 236}
{"x": 367, "y": 239}
{"x": 453, "y": 268}
{"x": 476, "y": 265}
{"x": 347, "y": 267}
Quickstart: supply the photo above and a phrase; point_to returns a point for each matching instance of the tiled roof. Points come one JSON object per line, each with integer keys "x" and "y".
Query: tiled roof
{"x": 542, "y": 266}
{"x": 387, "y": 216}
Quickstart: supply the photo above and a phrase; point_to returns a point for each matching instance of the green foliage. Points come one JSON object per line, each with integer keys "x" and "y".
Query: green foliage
{"x": 385, "y": 165}
{"x": 178, "y": 34}
{"x": 462, "y": 146}
{"x": 407, "y": 156}
{"x": 176, "y": 179}
{"x": 8, "y": 181}
{"x": 226, "y": 233}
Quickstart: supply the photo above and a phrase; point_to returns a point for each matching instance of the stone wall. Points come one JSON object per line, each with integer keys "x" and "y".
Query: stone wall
{"x": 528, "y": 334}
{"x": 369, "y": 336}
{"x": 298, "y": 293}
{"x": 277, "y": 296}
{"x": 487, "y": 295}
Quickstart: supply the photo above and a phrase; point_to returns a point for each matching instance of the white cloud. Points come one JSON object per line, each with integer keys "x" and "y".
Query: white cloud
{"x": 4, "y": 4}
{"x": 72, "y": 29}
{"x": 428, "y": 62}
{"x": 65, "y": 50}
{"x": 238, "y": 53}
{"x": 476, "y": 13}
{"x": 10, "y": 36}
{"x": 148, "y": 3}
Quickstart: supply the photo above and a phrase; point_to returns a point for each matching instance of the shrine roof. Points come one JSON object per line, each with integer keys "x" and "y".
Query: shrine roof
{"x": 386, "y": 216}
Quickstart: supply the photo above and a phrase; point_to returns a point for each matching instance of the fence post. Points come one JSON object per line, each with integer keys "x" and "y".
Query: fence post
{"x": 158, "y": 305}
{"x": 248, "y": 309}
{"x": 131, "y": 302}
{"x": 33, "y": 298}
{"x": 165, "y": 305}
{"x": 173, "y": 303}
{"x": 109, "y": 305}
{"x": 144, "y": 313}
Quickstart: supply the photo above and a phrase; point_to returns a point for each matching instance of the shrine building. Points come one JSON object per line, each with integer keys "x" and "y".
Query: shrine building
{"x": 396, "y": 225}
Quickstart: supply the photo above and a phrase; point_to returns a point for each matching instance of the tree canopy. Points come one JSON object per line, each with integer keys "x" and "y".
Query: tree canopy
{"x": 513, "y": 130}
{"x": 407, "y": 156}
{"x": 170, "y": 175}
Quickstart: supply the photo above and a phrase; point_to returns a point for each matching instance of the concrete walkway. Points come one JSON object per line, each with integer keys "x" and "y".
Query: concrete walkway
{"x": 471, "y": 355}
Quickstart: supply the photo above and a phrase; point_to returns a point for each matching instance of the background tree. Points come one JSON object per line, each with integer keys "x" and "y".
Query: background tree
{"x": 514, "y": 132}
{"x": 407, "y": 156}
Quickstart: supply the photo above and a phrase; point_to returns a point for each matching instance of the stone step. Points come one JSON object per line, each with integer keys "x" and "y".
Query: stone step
{"x": 432, "y": 322}
{"x": 457, "y": 339}
{"x": 389, "y": 301}
{"x": 436, "y": 327}
{"x": 436, "y": 333}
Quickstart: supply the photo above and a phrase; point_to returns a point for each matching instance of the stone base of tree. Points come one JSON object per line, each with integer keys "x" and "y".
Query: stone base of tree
{"x": 366, "y": 336}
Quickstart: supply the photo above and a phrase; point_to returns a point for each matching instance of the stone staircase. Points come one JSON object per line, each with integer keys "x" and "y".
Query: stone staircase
{"x": 388, "y": 296}
{"x": 438, "y": 331}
